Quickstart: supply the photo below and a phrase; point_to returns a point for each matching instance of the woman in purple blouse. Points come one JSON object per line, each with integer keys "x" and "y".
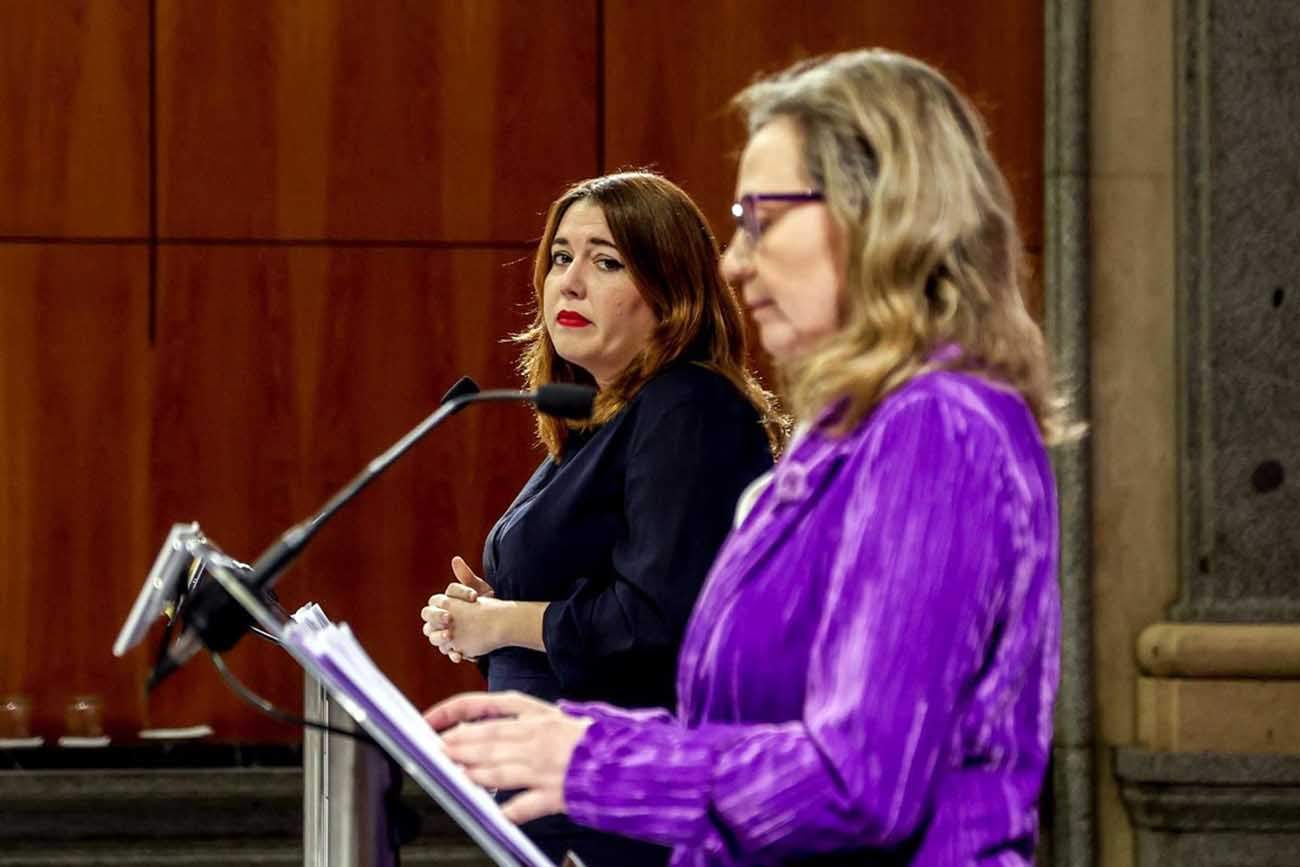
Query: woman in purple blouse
{"x": 869, "y": 673}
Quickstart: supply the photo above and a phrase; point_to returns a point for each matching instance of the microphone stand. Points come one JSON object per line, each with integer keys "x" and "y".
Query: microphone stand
{"x": 217, "y": 621}
{"x": 273, "y": 561}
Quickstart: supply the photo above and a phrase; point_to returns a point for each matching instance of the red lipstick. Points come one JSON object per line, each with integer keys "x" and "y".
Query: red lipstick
{"x": 569, "y": 319}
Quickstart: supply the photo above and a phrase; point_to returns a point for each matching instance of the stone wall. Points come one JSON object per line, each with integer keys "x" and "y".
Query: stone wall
{"x": 1202, "y": 696}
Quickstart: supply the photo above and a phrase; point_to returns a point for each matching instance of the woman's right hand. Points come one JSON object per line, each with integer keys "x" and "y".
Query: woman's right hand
{"x": 506, "y": 740}
{"x": 439, "y": 625}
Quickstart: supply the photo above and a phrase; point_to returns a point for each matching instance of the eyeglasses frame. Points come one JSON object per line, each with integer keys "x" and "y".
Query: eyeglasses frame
{"x": 746, "y": 216}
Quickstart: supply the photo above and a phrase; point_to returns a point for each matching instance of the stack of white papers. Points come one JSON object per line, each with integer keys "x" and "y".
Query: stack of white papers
{"x": 332, "y": 654}
{"x": 311, "y": 617}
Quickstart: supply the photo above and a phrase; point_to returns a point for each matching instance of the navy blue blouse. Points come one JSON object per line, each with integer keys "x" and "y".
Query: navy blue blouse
{"x": 619, "y": 536}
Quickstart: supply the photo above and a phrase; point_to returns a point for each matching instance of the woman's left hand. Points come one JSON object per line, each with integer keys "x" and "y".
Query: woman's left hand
{"x": 508, "y": 740}
{"x": 471, "y": 628}
{"x": 442, "y": 626}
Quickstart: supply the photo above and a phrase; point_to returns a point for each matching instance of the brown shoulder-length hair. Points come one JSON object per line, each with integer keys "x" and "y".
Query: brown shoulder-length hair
{"x": 673, "y": 259}
{"x": 934, "y": 257}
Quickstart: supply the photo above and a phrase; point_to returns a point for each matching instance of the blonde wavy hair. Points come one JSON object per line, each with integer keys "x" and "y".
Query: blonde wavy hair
{"x": 673, "y": 259}
{"x": 934, "y": 257}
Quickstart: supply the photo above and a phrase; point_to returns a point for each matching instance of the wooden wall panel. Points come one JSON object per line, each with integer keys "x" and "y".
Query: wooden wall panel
{"x": 669, "y": 78}
{"x": 74, "y": 117}
{"x": 74, "y": 533}
{"x": 442, "y": 128}
{"x": 444, "y": 120}
{"x": 282, "y": 371}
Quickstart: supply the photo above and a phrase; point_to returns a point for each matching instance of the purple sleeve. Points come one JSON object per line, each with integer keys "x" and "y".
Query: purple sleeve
{"x": 901, "y": 634}
{"x": 596, "y": 710}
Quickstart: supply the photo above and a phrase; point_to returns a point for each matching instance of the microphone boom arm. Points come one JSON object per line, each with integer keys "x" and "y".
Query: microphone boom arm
{"x": 275, "y": 559}
{"x": 216, "y": 620}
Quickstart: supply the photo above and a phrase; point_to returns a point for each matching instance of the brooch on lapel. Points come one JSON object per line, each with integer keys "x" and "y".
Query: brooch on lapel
{"x": 790, "y": 484}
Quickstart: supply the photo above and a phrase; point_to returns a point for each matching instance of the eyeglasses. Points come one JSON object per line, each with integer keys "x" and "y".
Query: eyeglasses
{"x": 746, "y": 210}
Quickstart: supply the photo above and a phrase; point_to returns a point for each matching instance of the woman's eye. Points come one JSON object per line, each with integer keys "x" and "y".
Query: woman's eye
{"x": 609, "y": 265}
{"x": 560, "y": 259}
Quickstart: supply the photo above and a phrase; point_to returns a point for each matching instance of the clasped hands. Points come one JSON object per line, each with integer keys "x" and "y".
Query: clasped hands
{"x": 459, "y": 621}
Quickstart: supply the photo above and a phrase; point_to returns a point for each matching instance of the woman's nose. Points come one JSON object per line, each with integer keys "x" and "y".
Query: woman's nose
{"x": 736, "y": 261}
{"x": 572, "y": 282}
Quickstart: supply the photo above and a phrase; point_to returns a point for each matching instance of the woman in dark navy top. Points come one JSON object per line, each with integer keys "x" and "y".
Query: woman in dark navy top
{"x": 591, "y": 574}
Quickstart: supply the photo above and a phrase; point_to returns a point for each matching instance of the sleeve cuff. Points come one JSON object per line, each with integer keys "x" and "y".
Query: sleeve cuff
{"x": 630, "y": 776}
{"x": 562, "y": 643}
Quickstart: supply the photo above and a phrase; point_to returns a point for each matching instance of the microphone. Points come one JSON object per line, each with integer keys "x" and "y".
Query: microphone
{"x": 462, "y": 387}
{"x": 216, "y": 621}
{"x": 565, "y": 400}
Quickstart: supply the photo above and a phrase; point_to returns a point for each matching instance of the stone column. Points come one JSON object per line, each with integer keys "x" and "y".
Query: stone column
{"x": 1070, "y": 826}
{"x": 1218, "y": 703}
{"x": 1132, "y": 300}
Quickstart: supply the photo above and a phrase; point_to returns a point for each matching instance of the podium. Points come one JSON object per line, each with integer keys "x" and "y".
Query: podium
{"x": 345, "y": 791}
{"x": 345, "y": 820}
{"x": 346, "y": 780}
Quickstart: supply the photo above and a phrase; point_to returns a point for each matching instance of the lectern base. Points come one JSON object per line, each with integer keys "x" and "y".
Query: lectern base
{"x": 345, "y": 792}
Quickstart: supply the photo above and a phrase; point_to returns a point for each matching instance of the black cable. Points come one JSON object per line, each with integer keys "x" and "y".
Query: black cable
{"x": 403, "y": 823}
{"x": 276, "y": 713}
{"x": 165, "y": 640}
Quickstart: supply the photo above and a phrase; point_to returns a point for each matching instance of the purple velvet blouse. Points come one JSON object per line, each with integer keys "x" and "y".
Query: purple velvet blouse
{"x": 870, "y": 670}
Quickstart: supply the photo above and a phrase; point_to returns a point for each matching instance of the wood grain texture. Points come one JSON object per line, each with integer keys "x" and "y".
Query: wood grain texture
{"x": 74, "y": 118}
{"x": 440, "y": 120}
{"x": 74, "y": 538}
{"x": 279, "y": 369}
{"x": 669, "y": 77}
{"x": 282, "y": 372}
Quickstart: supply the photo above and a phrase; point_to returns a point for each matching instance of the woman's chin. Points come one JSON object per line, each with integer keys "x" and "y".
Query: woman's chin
{"x": 779, "y": 342}
{"x": 573, "y": 352}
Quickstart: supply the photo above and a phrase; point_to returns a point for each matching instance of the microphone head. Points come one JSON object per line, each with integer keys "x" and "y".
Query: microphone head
{"x": 565, "y": 400}
{"x": 463, "y": 387}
